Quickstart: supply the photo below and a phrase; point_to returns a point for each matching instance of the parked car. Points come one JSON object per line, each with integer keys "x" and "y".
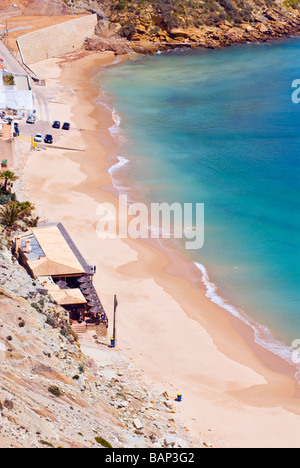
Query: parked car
{"x": 66, "y": 126}
{"x": 30, "y": 119}
{"x": 56, "y": 124}
{"x": 48, "y": 139}
{"x": 38, "y": 138}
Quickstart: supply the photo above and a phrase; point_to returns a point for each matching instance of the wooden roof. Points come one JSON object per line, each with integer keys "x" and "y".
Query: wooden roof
{"x": 66, "y": 296}
{"x": 53, "y": 253}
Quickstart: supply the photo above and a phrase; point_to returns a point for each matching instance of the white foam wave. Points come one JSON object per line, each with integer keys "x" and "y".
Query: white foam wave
{"x": 121, "y": 162}
{"x": 101, "y": 101}
{"x": 263, "y": 335}
{"x": 114, "y": 169}
{"x": 115, "y": 129}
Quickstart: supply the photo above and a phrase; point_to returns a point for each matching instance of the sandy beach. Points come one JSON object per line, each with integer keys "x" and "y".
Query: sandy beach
{"x": 235, "y": 393}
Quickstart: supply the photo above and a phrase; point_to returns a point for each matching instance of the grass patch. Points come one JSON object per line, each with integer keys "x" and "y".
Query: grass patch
{"x": 103, "y": 442}
{"x": 48, "y": 444}
{"x": 8, "y": 80}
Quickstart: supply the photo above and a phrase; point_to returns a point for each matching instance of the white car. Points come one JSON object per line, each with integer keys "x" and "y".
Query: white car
{"x": 30, "y": 119}
{"x": 38, "y": 138}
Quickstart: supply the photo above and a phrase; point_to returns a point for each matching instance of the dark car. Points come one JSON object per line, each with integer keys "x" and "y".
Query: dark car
{"x": 56, "y": 124}
{"x": 66, "y": 126}
{"x": 48, "y": 139}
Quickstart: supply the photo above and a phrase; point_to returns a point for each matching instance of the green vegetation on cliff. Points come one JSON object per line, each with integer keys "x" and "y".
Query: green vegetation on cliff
{"x": 170, "y": 14}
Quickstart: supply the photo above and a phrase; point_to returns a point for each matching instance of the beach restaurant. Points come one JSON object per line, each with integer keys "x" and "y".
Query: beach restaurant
{"x": 51, "y": 257}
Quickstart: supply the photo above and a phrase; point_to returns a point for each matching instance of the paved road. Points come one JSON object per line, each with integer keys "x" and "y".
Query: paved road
{"x": 10, "y": 62}
{"x": 40, "y": 126}
{"x": 41, "y": 104}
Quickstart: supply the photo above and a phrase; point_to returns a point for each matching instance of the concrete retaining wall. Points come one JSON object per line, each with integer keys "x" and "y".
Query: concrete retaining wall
{"x": 57, "y": 40}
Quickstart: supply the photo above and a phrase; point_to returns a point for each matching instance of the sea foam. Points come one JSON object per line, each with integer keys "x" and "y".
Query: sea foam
{"x": 263, "y": 335}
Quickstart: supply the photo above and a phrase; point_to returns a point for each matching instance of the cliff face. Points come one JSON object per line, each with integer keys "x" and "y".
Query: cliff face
{"x": 52, "y": 394}
{"x": 209, "y": 23}
{"x": 34, "y": 7}
{"x": 163, "y": 24}
{"x": 44, "y": 7}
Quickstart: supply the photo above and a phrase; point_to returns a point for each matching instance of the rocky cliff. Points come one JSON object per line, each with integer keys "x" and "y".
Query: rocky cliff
{"x": 164, "y": 24}
{"x": 53, "y": 394}
{"x": 35, "y": 7}
{"x": 148, "y": 26}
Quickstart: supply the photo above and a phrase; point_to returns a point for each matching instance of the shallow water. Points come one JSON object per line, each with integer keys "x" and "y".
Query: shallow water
{"x": 220, "y": 128}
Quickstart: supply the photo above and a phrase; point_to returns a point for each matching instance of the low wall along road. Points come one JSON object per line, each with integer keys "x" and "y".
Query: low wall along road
{"x": 57, "y": 40}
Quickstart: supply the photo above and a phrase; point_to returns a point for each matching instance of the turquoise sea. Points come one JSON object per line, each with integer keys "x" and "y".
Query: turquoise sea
{"x": 219, "y": 127}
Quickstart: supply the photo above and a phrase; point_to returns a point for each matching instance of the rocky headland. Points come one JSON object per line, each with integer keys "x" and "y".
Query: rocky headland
{"x": 158, "y": 26}
{"x": 145, "y": 27}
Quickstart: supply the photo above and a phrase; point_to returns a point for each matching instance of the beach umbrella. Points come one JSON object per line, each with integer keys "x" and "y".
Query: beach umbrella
{"x": 94, "y": 300}
{"x": 96, "y": 310}
{"x": 89, "y": 292}
{"x": 87, "y": 288}
{"x": 91, "y": 297}
{"x": 85, "y": 285}
{"x": 62, "y": 284}
{"x": 94, "y": 304}
{"x": 84, "y": 279}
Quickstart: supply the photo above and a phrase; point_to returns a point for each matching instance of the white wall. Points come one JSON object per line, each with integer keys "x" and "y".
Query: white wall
{"x": 14, "y": 98}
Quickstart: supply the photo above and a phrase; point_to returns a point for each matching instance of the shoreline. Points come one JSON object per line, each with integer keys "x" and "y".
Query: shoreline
{"x": 152, "y": 48}
{"x": 181, "y": 314}
{"x": 263, "y": 336}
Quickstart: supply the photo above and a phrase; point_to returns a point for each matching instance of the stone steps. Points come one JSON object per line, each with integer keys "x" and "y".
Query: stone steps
{"x": 79, "y": 327}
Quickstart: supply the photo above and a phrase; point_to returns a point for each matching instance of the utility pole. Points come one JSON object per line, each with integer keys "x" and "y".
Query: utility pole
{"x": 114, "y": 326}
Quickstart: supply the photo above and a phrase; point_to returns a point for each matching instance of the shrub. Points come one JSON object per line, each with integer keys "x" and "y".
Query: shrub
{"x": 120, "y": 6}
{"x": 292, "y": 3}
{"x": 128, "y": 30}
{"x": 48, "y": 444}
{"x": 36, "y": 307}
{"x": 6, "y": 198}
{"x": 167, "y": 10}
{"x": 54, "y": 390}
{"x": 8, "y": 80}
{"x": 103, "y": 442}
